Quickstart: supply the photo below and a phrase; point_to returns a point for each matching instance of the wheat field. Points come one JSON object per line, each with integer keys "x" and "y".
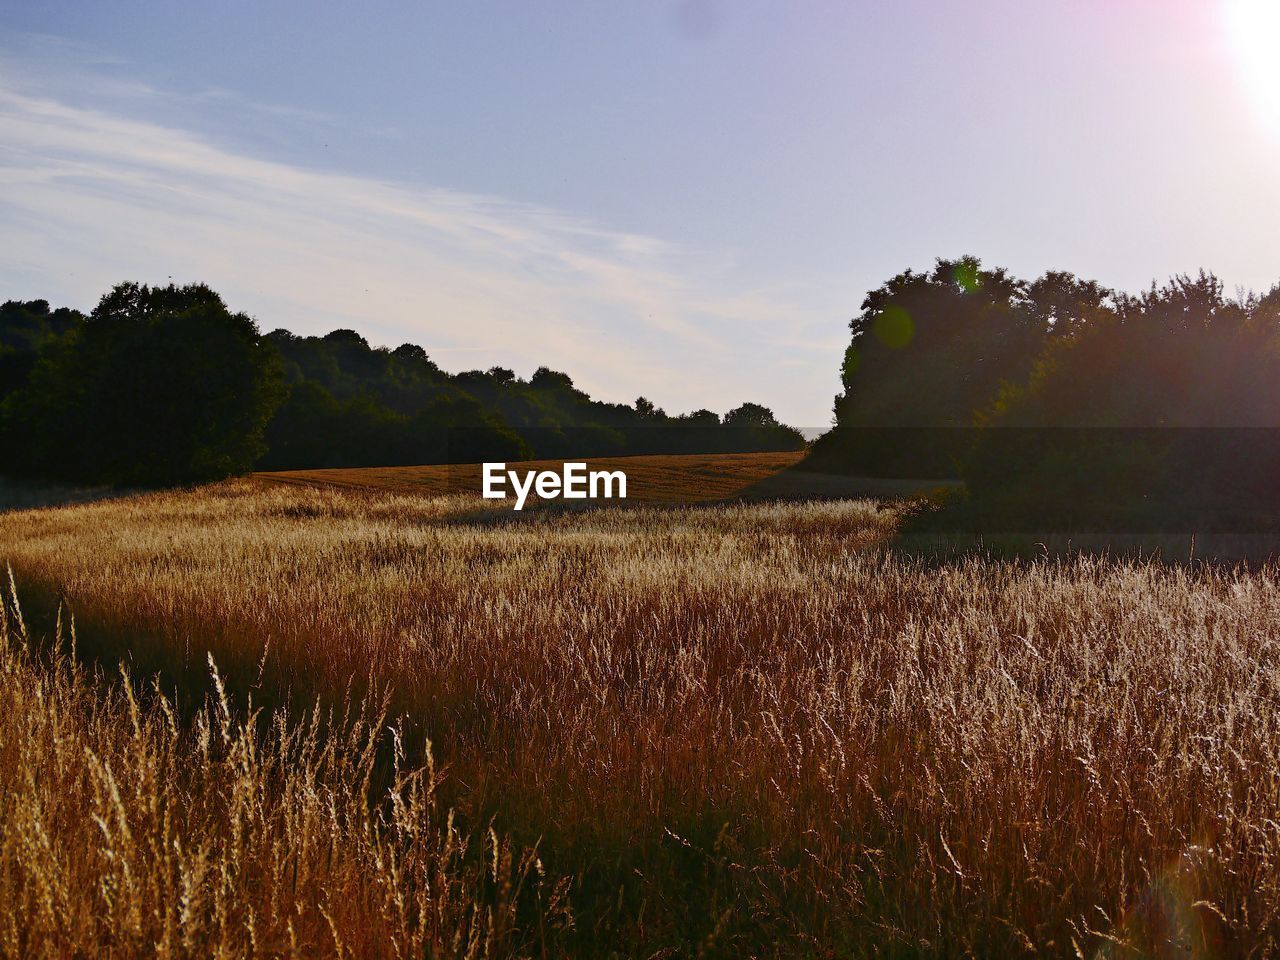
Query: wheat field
{"x": 722, "y": 730}
{"x": 684, "y": 478}
{"x": 127, "y": 834}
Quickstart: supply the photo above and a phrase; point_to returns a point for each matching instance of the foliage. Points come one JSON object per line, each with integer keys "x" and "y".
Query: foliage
{"x": 165, "y": 385}
{"x": 1062, "y": 403}
{"x": 1164, "y": 409}
{"x": 356, "y": 405}
{"x": 24, "y": 329}
{"x": 928, "y": 349}
{"x": 157, "y": 386}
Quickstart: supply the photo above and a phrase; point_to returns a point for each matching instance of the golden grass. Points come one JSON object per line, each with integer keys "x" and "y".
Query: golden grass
{"x": 127, "y": 834}
{"x": 691, "y": 478}
{"x": 750, "y": 728}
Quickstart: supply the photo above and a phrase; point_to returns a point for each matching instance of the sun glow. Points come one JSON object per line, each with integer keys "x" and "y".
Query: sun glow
{"x": 1253, "y": 29}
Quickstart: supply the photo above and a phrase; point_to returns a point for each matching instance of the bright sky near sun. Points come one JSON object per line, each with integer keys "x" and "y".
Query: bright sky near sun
{"x": 682, "y": 199}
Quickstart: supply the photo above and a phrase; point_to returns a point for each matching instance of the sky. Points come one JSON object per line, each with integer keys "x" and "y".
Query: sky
{"x": 685, "y": 199}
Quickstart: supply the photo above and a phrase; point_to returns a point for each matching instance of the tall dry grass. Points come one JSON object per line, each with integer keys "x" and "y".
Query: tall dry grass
{"x": 126, "y": 834}
{"x": 753, "y": 730}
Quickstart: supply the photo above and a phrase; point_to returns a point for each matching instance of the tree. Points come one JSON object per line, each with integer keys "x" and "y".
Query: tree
{"x": 1166, "y": 404}
{"x": 702, "y": 418}
{"x": 926, "y": 352}
{"x": 501, "y": 375}
{"x": 544, "y": 378}
{"x": 159, "y": 385}
{"x": 754, "y": 427}
{"x": 750, "y": 415}
{"x": 646, "y": 409}
{"x": 164, "y": 385}
{"x": 25, "y": 329}
{"x": 1060, "y": 302}
{"x": 411, "y": 353}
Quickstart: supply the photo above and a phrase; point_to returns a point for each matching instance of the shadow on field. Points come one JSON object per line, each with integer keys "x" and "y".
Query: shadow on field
{"x": 794, "y": 484}
{"x": 933, "y": 530}
{"x": 153, "y": 656}
{"x": 946, "y": 526}
{"x": 787, "y": 486}
{"x": 24, "y": 495}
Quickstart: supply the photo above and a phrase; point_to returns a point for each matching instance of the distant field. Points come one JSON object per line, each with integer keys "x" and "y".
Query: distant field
{"x": 695, "y": 478}
{"x": 698, "y": 478}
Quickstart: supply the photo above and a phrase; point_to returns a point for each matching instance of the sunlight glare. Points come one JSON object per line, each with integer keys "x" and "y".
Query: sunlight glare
{"x": 1253, "y": 29}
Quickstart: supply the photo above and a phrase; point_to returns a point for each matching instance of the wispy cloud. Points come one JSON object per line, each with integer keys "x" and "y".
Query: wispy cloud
{"x": 92, "y": 196}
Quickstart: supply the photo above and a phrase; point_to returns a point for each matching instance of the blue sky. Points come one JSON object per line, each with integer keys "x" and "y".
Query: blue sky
{"x": 681, "y": 199}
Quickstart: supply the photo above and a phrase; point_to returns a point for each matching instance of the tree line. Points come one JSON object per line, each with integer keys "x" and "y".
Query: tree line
{"x": 1061, "y": 399}
{"x": 167, "y": 385}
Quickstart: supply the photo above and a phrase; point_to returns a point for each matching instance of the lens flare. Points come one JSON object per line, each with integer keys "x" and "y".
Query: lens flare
{"x": 1253, "y": 30}
{"x": 894, "y": 327}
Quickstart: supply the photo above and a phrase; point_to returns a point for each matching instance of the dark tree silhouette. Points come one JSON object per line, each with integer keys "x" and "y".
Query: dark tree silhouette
{"x": 927, "y": 350}
{"x": 1165, "y": 408}
{"x": 24, "y": 330}
{"x": 1060, "y": 399}
{"x": 165, "y": 385}
{"x": 159, "y": 385}
{"x": 750, "y": 415}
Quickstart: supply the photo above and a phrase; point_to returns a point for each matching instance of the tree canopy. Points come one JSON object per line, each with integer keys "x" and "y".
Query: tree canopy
{"x": 157, "y": 385}
{"x": 1164, "y": 407}
{"x": 1059, "y": 395}
{"x": 166, "y": 385}
{"x": 929, "y": 349}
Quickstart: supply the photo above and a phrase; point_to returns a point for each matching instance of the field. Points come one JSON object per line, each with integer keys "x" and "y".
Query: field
{"x": 689, "y": 479}
{"x": 727, "y": 729}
